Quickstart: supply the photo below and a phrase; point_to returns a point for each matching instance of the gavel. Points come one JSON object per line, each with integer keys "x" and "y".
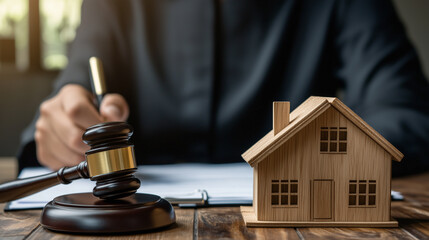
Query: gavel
{"x": 110, "y": 162}
{"x": 113, "y": 206}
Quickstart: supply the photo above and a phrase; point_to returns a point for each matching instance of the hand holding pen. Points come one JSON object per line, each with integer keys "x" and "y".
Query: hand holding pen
{"x": 64, "y": 118}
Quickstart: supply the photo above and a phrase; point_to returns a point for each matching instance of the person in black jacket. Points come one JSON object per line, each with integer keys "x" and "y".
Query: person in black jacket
{"x": 197, "y": 78}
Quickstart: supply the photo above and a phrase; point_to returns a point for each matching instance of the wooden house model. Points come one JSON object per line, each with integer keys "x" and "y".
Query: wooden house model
{"x": 323, "y": 167}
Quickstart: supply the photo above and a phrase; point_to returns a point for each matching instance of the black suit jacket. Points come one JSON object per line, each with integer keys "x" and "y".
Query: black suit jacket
{"x": 200, "y": 76}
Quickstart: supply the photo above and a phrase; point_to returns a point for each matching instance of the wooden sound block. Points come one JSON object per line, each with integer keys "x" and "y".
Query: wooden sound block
{"x": 85, "y": 213}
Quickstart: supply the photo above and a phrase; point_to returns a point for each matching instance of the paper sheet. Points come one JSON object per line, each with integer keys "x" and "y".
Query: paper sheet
{"x": 230, "y": 183}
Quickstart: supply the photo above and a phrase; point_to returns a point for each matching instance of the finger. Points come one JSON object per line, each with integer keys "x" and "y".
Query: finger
{"x": 58, "y": 158}
{"x": 63, "y": 154}
{"x": 62, "y": 126}
{"x": 69, "y": 133}
{"x": 51, "y": 152}
{"x": 44, "y": 157}
{"x": 77, "y": 105}
{"x": 114, "y": 107}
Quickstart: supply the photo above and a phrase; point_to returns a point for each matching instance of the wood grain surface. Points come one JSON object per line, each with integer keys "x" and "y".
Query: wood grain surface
{"x": 354, "y": 233}
{"x": 227, "y": 223}
{"x": 183, "y": 229}
{"x": 8, "y": 169}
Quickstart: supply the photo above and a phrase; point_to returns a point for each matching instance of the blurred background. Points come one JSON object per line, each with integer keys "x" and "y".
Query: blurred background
{"x": 35, "y": 36}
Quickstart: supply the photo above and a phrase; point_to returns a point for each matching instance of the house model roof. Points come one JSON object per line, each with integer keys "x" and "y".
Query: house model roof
{"x": 305, "y": 114}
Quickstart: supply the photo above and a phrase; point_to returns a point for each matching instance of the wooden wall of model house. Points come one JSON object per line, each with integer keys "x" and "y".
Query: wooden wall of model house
{"x": 300, "y": 159}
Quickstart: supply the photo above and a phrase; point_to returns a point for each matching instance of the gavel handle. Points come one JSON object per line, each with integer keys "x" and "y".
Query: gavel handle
{"x": 23, "y": 187}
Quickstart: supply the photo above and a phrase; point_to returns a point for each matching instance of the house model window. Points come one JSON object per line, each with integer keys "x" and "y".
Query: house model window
{"x": 333, "y": 140}
{"x": 284, "y": 193}
{"x": 362, "y": 193}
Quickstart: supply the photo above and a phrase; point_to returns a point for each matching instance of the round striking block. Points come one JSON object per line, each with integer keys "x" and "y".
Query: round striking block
{"x": 84, "y": 213}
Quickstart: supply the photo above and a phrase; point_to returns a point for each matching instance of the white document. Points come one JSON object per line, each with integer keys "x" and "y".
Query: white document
{"x": 230, "y": 183}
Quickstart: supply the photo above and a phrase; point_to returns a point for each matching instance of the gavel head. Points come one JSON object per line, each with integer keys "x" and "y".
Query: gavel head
{"x": 111, "y": 162}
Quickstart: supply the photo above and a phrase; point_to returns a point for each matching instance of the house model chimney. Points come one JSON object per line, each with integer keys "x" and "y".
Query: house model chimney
{"x": 280, "y": 116}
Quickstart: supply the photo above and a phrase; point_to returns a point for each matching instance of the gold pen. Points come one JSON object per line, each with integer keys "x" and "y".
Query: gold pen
{"x": 98, "y": 82}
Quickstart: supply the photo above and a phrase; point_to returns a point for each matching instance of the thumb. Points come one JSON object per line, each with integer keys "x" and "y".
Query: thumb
{"x": 114, "y": 107}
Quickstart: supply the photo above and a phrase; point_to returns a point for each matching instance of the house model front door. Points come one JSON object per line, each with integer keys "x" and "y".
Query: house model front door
{"x": 322, "y": 200}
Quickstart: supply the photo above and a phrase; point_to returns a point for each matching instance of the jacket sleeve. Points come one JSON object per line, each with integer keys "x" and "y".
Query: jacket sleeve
{"x": 96, "y": 36}
{"x": 382, "y": 78}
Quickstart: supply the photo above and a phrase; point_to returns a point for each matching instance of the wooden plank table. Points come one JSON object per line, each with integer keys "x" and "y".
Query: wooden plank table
{"x": 227, "y": 223}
